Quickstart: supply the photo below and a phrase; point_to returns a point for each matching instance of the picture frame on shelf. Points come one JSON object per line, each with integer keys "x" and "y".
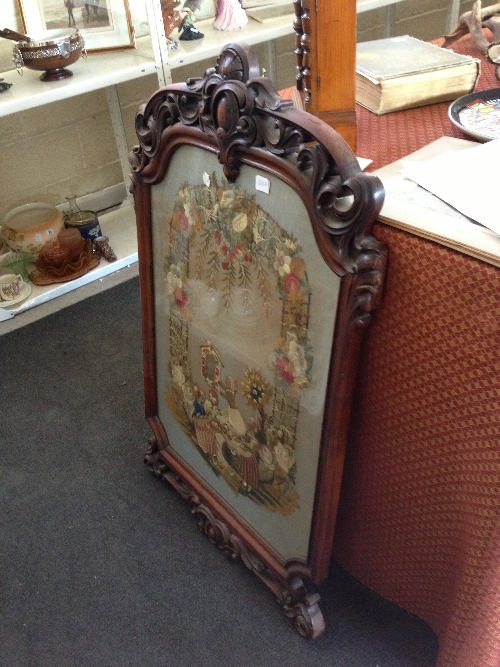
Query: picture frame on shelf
{"x": 258, "y": 277}
{"x": 103, "y": 24}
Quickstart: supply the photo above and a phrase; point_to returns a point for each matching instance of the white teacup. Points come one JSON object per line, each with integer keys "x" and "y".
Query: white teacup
{"x": 10, "y": 286}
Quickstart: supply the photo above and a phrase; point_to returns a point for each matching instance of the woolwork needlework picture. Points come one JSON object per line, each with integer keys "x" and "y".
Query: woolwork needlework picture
{"x": 228, "y": 260}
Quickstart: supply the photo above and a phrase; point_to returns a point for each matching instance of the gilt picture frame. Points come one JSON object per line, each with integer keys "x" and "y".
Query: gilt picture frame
{"x": 103, "y": 24}
{"x": 258, "y": 276}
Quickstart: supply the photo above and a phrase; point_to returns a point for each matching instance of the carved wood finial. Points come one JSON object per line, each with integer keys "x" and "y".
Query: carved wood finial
{"x": 305, "y": 42}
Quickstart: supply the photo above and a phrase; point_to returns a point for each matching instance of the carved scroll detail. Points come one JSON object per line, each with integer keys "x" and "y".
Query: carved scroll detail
{"x": 237, "y": 110}
{"x": 299, "y": 605}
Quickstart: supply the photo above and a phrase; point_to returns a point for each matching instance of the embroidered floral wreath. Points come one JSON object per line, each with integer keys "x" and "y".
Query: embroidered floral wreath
{"x": 239, "y": 245}
{"x": 219, "y": 237}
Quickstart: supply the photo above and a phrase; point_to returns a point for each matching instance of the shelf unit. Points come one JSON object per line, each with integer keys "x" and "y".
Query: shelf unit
{"x": 108, "y": 69}
{"x": 105, "y": 71}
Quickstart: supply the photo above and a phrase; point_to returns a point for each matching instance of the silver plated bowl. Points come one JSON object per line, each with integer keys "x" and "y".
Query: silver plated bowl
{"x": 51, "y": 53}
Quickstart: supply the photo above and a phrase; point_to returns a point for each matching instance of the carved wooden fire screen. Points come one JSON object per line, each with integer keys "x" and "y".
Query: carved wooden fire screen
{"x": 258, "y": 275}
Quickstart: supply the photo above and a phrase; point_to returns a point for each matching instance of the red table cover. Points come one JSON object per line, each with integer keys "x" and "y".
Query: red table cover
{"x": 390, "y": 137}
{"x": 419, "y": 518}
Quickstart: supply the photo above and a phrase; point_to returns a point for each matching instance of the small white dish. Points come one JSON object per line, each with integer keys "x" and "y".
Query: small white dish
{"x": 25, "y": 292}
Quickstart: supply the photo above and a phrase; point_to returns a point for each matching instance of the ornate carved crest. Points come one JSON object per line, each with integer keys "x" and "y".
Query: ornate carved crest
{"x": 238, "y": 110}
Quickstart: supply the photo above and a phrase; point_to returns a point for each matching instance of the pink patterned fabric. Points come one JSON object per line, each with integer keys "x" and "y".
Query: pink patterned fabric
{"x": 419, "y": 518}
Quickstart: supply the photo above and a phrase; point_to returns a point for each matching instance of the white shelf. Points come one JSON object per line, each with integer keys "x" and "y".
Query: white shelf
{"x": 369, "y": 5}
{"x": 120, "y": 227}
{"x": 100, "y": 70}
{"x": 106, "y": 70}
{"x": 213, "y": 41}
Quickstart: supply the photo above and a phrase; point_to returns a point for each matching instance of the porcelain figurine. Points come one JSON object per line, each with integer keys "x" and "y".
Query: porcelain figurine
{"x": 172, "y": 18}
{"x": 187, "y": 29}
{"x": 229, "y": 15}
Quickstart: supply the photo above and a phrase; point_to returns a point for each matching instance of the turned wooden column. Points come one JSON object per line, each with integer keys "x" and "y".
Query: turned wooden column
{"x": 328, "y": 44}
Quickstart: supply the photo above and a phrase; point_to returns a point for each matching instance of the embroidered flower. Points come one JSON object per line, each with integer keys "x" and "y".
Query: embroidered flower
{"x": 290, "y": 244}
{"x": 256, "y": 389}
{"x": 178, "y": 375}
{"x": 286, "y": 369}
{"x": 206, "y": 179}
{"x": 180, "y": 296}
{"x": 282, "y": 263}
{"x": 183, "y": 221}
{"x": 173, "y": 279}
{"x": 284, "y": 457}
{"x": 227, "y": 199}
{"x": 240, "y": 222}
{"x": 296, "y": 353}
{"x": 292, "y": 283}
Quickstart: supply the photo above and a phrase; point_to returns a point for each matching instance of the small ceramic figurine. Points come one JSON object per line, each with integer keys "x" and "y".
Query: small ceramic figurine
{"x": 186, "y": 28}
{"x": 229, "y": 15}
{"x": 172, "y": 18}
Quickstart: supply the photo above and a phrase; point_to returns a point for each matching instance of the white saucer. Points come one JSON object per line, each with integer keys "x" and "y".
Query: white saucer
{"x": 25, "y": 292}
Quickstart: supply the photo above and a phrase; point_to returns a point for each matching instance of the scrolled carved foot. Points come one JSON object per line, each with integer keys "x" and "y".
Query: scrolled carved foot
{"x": 299, "y": 605}
{"x": 307, "y": 618}
{"x": 152, "y": 459}
{"x": 304, "y": 609}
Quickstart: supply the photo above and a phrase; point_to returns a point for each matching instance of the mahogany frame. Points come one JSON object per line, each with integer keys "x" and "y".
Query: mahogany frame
{"x": 228, "y": 112}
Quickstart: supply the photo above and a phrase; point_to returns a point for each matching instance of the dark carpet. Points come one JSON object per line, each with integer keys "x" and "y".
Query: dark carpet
{"x": 101, "y": 563}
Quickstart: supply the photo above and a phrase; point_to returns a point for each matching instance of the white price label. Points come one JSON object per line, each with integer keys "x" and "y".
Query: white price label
{"x": 262, "y": 184}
